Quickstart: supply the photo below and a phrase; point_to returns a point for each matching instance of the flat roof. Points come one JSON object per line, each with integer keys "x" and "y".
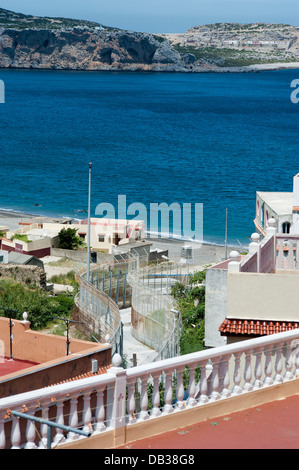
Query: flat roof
{"x": 9, "y": 366}
{"x": 281, "y": 202}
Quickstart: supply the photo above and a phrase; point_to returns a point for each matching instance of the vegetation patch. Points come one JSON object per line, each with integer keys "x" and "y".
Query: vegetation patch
{"x": 191, "y": 303}
{"x": 39, "y": 305}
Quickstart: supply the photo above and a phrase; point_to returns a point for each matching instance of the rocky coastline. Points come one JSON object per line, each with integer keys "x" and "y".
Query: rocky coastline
{"x": 28, "y": 42}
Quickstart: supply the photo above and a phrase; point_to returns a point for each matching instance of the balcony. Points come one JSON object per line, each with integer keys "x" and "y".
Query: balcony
{"x": 174, "y": 397}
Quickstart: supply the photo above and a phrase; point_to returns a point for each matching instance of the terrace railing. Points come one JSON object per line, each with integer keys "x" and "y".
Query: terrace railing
{"x": 108, "y": 402}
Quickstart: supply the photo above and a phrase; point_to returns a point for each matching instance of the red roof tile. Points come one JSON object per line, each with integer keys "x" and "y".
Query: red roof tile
{"x": 255, "y": 327}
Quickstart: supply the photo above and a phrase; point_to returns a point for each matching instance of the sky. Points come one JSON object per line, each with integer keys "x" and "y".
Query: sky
{"x": 162, "y": 16}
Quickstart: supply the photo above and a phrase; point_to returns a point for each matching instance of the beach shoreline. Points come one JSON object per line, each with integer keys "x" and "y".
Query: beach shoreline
{"x": 207, "y": 249}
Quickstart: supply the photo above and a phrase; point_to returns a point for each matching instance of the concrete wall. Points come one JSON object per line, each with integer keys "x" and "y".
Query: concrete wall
{"x": 49, "y": 352}
{"x": 215, "y": 306}
{"x": 256, "y": 296}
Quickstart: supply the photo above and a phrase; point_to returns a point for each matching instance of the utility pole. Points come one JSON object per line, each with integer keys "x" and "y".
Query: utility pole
{"x": 225, "y": 235}
{"x": 88, "y": 230}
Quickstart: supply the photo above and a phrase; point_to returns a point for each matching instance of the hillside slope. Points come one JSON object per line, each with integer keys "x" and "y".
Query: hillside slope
{"x": 61, "y": 43}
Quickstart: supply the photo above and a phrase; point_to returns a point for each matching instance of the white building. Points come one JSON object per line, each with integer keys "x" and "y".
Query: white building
{"x": 281, "y": 206}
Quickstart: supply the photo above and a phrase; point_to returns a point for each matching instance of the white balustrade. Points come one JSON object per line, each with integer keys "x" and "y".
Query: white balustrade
{"x": 222, "y": 372}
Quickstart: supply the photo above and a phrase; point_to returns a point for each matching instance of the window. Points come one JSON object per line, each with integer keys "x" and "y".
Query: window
{"x": 286, "y": 227}
{"x": 101, "y": 238}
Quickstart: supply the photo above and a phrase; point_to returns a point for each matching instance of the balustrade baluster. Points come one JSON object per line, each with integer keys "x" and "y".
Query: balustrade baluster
{"x": 237, "y": 374}
{"x": 258, "y": 369}
{"x": 278, "y": 364}
{"x": 73, "y": 419}
{"x": 15, "y": 433}
{"x": 87, "y": 415}
{"x": 248, "y": 371}
{"x": 156, "y": 396}
{"x": 131, "y": 404}
{"x": 215, "y": 395}
{"x": 168, "y": 408}
{"x": 226, "y": 378}
{"x": 100, "y": 412}
{"x": 143, "y": 415}
{"x": 43, "y": 427}
{"x": 180, "y": 392}
{"x": 268, "y": 367}
{"x": 30, "y": 431}
{"x": 296, "y": 358}
{"x": 59, "y": 437}
{"x": 203, "y": 385}
{"x": 289, "y": 363}
{"x": 192, "y": 387}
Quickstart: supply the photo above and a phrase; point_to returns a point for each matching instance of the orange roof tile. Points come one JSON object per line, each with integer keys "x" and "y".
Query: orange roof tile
{"x": 101, "y": 370}
{"x": 255, "y": 327}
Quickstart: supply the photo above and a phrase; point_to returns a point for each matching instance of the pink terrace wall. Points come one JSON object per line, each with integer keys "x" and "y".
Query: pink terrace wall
{"x": 49, "y": 352}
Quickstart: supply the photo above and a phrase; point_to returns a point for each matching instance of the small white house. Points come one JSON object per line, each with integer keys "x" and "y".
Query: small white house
{"x": 3, "y": 256}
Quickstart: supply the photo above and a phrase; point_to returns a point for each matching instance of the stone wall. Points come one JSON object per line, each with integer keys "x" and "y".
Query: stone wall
{"x": 24, "y": 274}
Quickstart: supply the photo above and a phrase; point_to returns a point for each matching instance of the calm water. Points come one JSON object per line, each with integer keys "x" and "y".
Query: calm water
{"x": 188, "y": 138}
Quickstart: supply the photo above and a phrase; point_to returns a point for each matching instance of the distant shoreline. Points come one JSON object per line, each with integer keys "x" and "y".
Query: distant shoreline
{"x": 11, "y": 218}
{"x": 255, "y": 68}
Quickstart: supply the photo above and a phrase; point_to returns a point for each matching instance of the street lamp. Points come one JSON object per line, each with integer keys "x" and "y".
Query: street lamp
{"x": 88, "y": 230}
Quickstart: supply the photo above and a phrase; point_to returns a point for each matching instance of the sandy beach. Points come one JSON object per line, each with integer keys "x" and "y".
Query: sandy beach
{"x": 12, "y": 219}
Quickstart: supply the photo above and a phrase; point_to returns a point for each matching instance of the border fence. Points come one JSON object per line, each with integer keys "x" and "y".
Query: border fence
{"x": 129, "y": 280}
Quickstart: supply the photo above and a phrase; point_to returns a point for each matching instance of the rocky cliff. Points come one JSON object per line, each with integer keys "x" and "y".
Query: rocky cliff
{"x": 62, "y": 43}
{"x": 29, "y": 42}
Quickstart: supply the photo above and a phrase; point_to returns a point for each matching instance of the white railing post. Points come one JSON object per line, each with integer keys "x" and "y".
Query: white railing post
{"x": 234, "y": 265}
{"x": 116, "y": 396}
{"x": 255, "y": 247}
{"x": 272, "y": 231}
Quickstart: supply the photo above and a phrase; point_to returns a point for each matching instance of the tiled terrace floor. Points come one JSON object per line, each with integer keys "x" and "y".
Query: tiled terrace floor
{"x": 273, "y": 425}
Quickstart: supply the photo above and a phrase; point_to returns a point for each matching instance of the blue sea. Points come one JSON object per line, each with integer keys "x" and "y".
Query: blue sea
{"x": 210, "y": 139}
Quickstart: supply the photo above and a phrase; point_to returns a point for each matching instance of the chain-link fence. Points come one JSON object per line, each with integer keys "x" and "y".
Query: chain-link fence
{"x": 100, "y": 299}
{"x": 131, "y": 280}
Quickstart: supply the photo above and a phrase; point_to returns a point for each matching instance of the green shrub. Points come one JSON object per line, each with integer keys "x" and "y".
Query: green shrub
{"x": 40, "y": 306}
{"x": 191, "y": 303}
{"x": 68, "y": 239}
